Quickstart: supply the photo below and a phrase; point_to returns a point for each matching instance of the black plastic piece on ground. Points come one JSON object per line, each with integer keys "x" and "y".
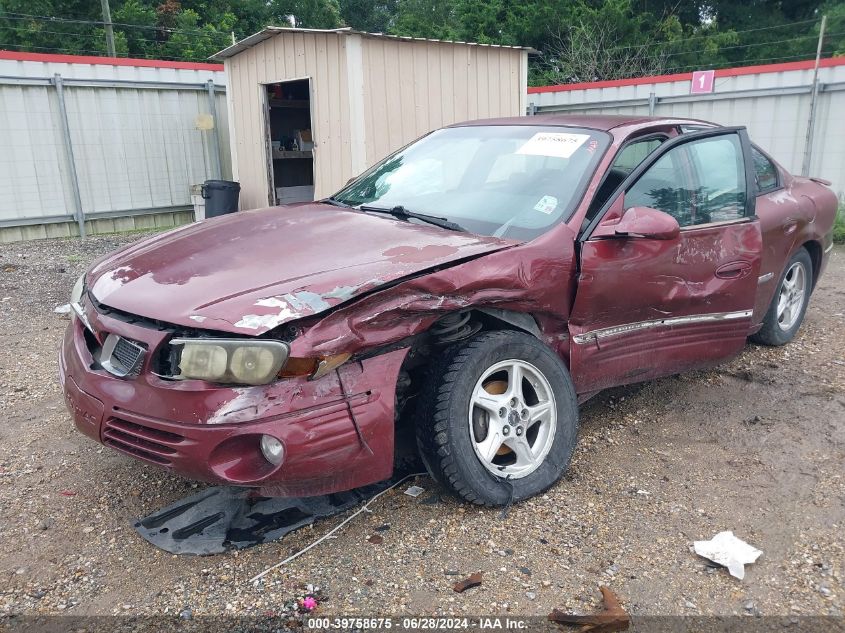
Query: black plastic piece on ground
{"x": 224, "y": 517}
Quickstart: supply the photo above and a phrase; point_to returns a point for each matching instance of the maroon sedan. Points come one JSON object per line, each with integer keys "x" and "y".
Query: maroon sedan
{"x": 467, "y": 293}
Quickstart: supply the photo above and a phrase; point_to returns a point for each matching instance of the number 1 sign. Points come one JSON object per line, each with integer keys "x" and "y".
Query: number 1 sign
{"x": 702, "y": 82}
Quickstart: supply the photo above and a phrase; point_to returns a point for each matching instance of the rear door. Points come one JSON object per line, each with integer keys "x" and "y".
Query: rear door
{"x": 646, "y": 308}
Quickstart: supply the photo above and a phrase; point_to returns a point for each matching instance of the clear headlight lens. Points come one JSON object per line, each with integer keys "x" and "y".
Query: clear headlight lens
{"x": 78, "y": 289}
{"x": 231, "y": 360}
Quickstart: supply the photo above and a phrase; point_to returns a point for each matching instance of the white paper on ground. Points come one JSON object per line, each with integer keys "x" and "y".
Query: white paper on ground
{"x": 729, "y": 551}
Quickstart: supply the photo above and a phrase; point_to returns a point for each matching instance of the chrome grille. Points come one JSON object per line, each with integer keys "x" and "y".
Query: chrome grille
{"x": 120, "y": 356}
{"x": 127, "y": 353}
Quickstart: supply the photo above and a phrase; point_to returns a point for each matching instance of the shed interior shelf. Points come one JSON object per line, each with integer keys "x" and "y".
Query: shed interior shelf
{"x": 290, "y": 103}
{"x": 281, "y": 154}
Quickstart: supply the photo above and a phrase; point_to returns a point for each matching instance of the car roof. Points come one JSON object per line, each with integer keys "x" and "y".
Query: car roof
{"x": 604, "y": 122}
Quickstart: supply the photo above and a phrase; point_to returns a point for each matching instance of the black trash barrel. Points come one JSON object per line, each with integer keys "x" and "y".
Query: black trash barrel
{"x": 221, "y": 197}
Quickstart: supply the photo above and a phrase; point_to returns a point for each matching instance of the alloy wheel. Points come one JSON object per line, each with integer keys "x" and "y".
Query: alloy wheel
{"x": 512, "y": 418}
{"x": 791, "y": 296}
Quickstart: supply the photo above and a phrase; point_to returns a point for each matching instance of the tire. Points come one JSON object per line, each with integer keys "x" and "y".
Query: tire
{"x": 780, "y": 325}
{"x": 453, "y": 428}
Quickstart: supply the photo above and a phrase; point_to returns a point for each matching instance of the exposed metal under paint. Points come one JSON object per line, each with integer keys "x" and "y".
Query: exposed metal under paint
{"x": 586, "y": 337}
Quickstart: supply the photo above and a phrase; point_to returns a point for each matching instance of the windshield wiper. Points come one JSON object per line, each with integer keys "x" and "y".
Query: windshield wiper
{"x": 335, "y": 202}
{"x": 404, "y": 214}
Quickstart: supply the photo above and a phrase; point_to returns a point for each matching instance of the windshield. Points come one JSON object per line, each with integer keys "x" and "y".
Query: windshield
{"x": 513, "y": 181}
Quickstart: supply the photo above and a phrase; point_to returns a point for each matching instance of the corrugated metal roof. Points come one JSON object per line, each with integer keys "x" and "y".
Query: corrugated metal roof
{"x": 270, "y": 31}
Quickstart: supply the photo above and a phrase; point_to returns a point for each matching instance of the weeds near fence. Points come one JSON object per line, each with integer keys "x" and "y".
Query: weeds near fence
{"x": 839, "y": 226}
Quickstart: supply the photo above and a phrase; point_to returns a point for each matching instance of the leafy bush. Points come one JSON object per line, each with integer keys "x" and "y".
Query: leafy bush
{"x": 839, "y": 227}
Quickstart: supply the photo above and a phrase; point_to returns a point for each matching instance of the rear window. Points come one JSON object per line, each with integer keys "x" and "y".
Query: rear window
{"x": 765, "y": 171}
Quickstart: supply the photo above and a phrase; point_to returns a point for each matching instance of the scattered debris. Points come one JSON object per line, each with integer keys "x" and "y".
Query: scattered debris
{"x": 67, "y": 493}
{"x": 330, "y": 533}
{"x": 414, "y": 491}
{"x": 729, "y": 551}
{"x": 62, "y": 309}
{"x": 383, "y": 528}
{"x": 612, "y": 618}
{"x": 474, "y": 580}
{"x": 375, "y": 539}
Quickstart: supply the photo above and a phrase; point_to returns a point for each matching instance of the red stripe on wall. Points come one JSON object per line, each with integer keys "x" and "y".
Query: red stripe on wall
{"x": 107, "y": 61}
{"x": 724, "y": 72}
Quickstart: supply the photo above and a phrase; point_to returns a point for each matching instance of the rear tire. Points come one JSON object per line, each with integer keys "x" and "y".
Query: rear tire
{"x": 499, "y": 421}
{"x": 786, "y": 312}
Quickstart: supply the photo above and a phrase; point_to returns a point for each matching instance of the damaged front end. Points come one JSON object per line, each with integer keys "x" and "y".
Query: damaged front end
{"x": 291, "y": 437}
{"x": 296, "y": 393}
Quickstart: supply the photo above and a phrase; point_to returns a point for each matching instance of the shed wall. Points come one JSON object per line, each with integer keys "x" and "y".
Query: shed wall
{"x": 411, "y": 88}
{"x": 287, "y": 56}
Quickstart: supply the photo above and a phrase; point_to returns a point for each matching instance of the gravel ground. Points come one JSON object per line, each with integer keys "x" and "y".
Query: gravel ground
{"x": 756, "y": 446}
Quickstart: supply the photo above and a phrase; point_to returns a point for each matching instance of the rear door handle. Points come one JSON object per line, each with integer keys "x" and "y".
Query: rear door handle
{"x": 733, "y": 270}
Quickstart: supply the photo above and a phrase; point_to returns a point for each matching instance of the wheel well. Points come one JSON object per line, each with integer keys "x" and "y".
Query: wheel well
{"x": 450, "y": 328}
{"x": 815, "y": 251}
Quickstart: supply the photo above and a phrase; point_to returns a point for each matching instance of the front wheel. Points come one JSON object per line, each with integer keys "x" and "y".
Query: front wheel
{"x": 786, "y": 312}
{"x": 500, "y": 419}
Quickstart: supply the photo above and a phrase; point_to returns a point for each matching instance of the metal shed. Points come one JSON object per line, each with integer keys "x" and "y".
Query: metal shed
{"x": 313, "y": 108}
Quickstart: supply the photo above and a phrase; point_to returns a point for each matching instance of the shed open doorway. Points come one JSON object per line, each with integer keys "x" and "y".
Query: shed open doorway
{"x": 290, "y": 156}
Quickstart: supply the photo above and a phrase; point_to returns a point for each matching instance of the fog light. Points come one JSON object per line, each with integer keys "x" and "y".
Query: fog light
{"x": 272, "y": 449}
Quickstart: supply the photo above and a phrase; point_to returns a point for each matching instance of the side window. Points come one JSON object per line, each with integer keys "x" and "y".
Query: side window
{"x": 765, "y": 171}
{"x": 634, "y": 153}
{"x": 696, "y": 183}
{"x": 626, "y": 160}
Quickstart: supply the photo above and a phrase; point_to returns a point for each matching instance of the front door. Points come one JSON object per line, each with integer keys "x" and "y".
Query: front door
{"x": 650, "y": 307}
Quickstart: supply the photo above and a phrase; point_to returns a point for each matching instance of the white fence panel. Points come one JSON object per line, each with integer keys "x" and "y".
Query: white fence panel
{"x": 773, "y": 102}
{"x": 133, "y": 129}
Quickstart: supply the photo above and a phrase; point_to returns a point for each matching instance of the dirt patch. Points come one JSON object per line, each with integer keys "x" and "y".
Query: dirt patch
{"x": 756, "y": 446}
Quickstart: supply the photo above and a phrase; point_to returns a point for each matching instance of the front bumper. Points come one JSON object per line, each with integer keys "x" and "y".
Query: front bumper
{"x": 337, "y": 431}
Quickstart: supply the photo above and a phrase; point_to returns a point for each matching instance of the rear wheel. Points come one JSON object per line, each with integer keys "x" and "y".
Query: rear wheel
{"x": 503, "y": 418}
{"x": 786, "y": 312}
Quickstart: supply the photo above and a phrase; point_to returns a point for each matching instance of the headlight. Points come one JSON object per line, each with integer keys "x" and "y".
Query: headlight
{"x": 78, "y": 289}
{"x": 230, "y": 360}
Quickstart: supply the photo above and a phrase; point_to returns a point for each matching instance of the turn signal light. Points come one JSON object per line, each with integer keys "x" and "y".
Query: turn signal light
{"x": 312, "y": 367}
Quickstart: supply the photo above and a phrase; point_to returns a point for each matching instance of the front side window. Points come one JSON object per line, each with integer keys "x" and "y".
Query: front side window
{"x": 696, "y": 183}
{"x": 512, "y": 181}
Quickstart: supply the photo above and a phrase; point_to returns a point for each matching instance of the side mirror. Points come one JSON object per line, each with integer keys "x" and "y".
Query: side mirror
{"x": 642, "y": 222}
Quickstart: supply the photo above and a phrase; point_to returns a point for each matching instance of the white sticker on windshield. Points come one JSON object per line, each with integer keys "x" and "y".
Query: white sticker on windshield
{"x": 554, "y": 144}
{"x": 546, "y": 205}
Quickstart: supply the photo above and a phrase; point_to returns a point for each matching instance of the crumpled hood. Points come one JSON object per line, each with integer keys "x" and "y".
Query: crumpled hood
{"x": 252, "y": 271}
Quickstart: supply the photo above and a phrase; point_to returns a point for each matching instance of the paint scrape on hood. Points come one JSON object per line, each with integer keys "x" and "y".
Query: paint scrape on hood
{"x": 252, "y": 271}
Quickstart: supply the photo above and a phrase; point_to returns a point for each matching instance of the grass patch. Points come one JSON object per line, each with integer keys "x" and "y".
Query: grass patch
{"x": 839, "y": 227}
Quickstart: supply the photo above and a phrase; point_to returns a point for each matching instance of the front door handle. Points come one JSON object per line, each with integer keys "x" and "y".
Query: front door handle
{"x": 733, "y": 270}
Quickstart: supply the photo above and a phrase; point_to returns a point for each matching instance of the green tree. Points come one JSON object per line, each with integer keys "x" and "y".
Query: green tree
{"x": 311, "y": 14}
{"x": 373, "y": 16}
